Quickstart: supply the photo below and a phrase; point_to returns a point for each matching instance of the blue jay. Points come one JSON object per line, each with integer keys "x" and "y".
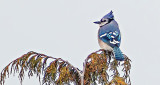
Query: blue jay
{"x": 109, "y": 37}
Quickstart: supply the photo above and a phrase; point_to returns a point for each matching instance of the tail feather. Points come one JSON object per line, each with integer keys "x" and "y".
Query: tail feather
{"x": 118, "y": 54}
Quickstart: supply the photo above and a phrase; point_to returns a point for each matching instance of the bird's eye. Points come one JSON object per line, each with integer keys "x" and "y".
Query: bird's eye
{"x": 104, "y": 20}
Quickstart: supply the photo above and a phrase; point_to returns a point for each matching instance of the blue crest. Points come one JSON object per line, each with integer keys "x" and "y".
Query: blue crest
{"x": 109, "y": 15}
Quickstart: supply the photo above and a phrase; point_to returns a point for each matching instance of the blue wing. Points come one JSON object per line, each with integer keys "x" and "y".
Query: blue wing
{"x": 110, "y": 36}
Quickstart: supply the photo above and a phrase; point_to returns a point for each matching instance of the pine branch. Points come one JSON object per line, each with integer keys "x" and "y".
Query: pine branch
{"x": 100, "y": 63}
{"x": 60, "y": 72}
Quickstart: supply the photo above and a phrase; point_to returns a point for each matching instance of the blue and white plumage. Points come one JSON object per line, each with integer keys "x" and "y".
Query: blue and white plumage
{"x": 109, "y": 36}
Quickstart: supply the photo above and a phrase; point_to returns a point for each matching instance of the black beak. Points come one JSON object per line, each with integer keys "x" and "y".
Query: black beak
{"x": 97, "y": 22}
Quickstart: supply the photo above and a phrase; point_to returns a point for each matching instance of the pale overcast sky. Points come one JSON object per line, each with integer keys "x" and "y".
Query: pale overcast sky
{"x": 65, "y": 28}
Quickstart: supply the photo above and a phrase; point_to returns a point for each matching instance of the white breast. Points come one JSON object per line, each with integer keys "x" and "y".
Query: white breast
{"x": 104, "y": 45}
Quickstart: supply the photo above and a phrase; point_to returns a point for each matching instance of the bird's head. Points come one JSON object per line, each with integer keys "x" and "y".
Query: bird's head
{"x": 106, "y": 19}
